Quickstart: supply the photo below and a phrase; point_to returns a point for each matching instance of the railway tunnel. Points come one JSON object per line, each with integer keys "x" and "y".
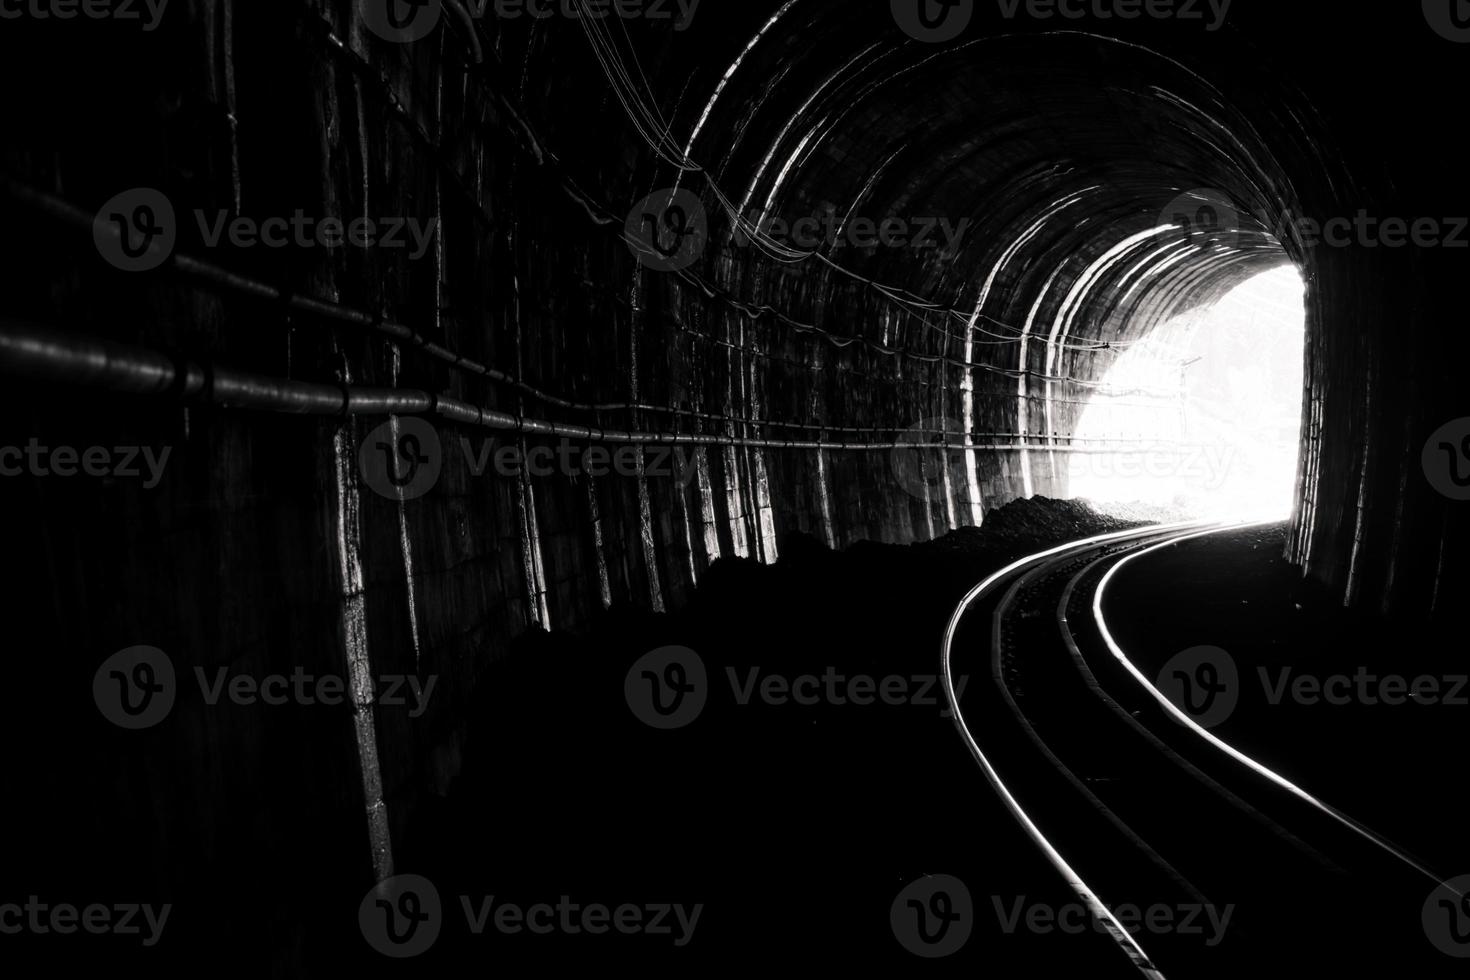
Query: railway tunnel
{"x": 485, "y": 348}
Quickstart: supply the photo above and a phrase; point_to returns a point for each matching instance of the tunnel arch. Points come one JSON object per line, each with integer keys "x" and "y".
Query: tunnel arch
{"x": 887, "y": 126}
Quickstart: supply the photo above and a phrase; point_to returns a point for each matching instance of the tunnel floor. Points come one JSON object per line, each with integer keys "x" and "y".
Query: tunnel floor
{"x": 777, "y": 824}
{"x": 793, "y": 825}
{"x": 799, "y": 821}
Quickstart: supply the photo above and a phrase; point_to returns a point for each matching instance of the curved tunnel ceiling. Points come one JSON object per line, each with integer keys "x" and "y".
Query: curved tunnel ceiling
{"x": 1064, "y": 184}
{"x": 1065, "y": 202}
{"x": 1058, "y": 201}
{"x": 1082, "y": 173}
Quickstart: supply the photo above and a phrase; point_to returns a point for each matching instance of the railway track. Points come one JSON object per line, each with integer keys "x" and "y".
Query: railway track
{"x": 1193, "y": 858}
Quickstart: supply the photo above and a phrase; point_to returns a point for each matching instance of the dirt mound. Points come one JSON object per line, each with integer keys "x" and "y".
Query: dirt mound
{"x": 1143, "y": 512}
{"x": 1039, "y": 520}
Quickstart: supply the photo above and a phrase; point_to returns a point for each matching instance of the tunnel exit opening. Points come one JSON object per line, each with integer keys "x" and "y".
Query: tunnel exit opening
{"x": 1203, "y": 415}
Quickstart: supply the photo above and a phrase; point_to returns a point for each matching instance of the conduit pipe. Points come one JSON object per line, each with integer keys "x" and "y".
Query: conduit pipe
{"x": 39, "y": 353}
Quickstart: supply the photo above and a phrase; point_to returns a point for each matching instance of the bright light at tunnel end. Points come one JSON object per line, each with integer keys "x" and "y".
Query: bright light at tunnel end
{"x": 1204, "y": 415}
